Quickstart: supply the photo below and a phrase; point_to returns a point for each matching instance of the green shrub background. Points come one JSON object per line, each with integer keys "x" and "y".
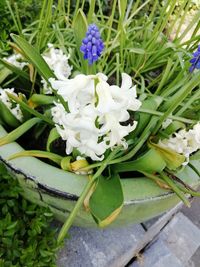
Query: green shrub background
{"x": 25, "y": 236}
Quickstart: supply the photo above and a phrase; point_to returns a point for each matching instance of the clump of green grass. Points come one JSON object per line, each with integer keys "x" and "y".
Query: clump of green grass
{"x": 26, "y": 238}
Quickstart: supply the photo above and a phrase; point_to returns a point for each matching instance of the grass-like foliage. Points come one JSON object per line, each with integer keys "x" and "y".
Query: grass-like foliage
{"x": 26, "y": 238}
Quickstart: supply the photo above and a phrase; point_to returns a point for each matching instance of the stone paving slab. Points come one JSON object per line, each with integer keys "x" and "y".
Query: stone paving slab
{"x": 195, "y": 260}
{"x": 99, "y": 248}
{"x": 157, "y": 255}
{"x": 193, "y": 214}
{"x": 109, "y": 247}
{"x": 182, "y": 237}
{"x": 175, "y": 245}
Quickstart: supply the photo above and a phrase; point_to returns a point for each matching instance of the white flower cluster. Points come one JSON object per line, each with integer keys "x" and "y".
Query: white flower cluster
{"x": 16, "y": 60}
{"x": 58, "y": 62}
{"x": 13, "y": 107}
{"x": 184, "y": 142}
{"x": 96, "y": 113}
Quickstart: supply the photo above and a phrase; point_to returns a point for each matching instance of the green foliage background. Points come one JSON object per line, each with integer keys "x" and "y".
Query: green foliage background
{"x": 28, "y": 11}
{"x": 26, "y": 238}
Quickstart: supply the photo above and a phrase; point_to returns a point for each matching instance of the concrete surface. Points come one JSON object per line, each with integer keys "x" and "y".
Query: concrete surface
{"x": 170, "y": 240}
{"x": 193, "y": 214}
{"x": 99, "y": 248}
{"x": 109, "y": 247}
{"x": 174, "y": 246}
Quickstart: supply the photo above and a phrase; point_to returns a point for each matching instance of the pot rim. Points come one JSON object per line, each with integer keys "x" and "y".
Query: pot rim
{"x": 68, "y": 185}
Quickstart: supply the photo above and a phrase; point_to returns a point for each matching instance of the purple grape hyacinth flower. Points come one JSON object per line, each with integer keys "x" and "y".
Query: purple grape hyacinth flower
{"x": 92, "y": 45}
{"x": 195, "y": 61}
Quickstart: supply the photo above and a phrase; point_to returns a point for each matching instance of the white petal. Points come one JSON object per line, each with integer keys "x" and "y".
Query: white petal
{"x": 126, "y": 81}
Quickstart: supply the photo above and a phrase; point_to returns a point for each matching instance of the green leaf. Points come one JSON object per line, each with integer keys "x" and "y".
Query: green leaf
{"x": 34, "y": 57}
{"x": 15, "y": 134}
{"x": 14, "y": 69}
{"x": 107, "y": 200}
{"x": 151, "y": 103}
{"x": 53, "y": 135}
{"x": 174, "y": 127}
{"x": 173, "y": 159}
{"x": 37, "y": 153}
{"x": 122, "y": 8}
{"x": 13, "y": 225}
{"x": 150, "y": 162}
{"x": 80, "y": 28}
{"x": 4, "y": 73}
{"x": 65, "y": 163}
{"x": 91, "y": 10}
{"x": 7, "y": 116}
{"x": 30, "y": 110}
{"x": 39, "y": 99}
{"x": 137, "y": 50}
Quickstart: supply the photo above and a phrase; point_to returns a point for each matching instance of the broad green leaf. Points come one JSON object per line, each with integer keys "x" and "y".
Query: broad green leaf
{"x": 39, "y": 99}
{"x": 80, "y": 28}
{"x": 107, "y": 200}
{"x": 150, "y": 162}
{"x": 7, "y": 116}
{"x": 65, "y": 163}
{"x": 19, "y": 131}
{"x": 34, "y": 57}
{"x": 122, "y": 8}
{"x": 29, "y": 109}
{"x": 173, "y": 159}
{"x": 14, "y": 69}
{"x": 53, "y": 135}
{"x": 91, "y": 10}
{"x": 4, "y": 73}
{"x": 39, "y": 154}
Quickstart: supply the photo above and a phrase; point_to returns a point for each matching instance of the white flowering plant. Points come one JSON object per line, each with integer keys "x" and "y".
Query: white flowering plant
{"x": 113, "y": 92}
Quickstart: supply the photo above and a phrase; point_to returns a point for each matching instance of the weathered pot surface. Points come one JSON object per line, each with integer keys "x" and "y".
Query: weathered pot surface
{"x": 58, "y": 189}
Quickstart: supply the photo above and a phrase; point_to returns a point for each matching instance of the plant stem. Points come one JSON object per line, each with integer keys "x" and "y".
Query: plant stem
{"x": 84, "y": 193}
{"x": 176, "y": 118}
{"x": 144, "y": 136}
{"x": 175, "y": 188}
{"x": 72, "y": 215}
{"x": 182, "y": 188}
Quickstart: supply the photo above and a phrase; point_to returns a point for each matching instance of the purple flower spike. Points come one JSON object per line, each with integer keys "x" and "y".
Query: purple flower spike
{"x": 195, "y": 61}
{"x": 92, "y": 45}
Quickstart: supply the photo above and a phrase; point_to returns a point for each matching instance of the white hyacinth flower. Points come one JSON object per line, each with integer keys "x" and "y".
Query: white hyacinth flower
{"x": 58, "y": 63}
{"x": 16, "y": 60}
{"x": 96, "y": 111}
{"x": 77, "y": 92}
{"x": 13, "y": 107}
{"x": 184, "y": 142}
{"x": 114, "y": 131}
